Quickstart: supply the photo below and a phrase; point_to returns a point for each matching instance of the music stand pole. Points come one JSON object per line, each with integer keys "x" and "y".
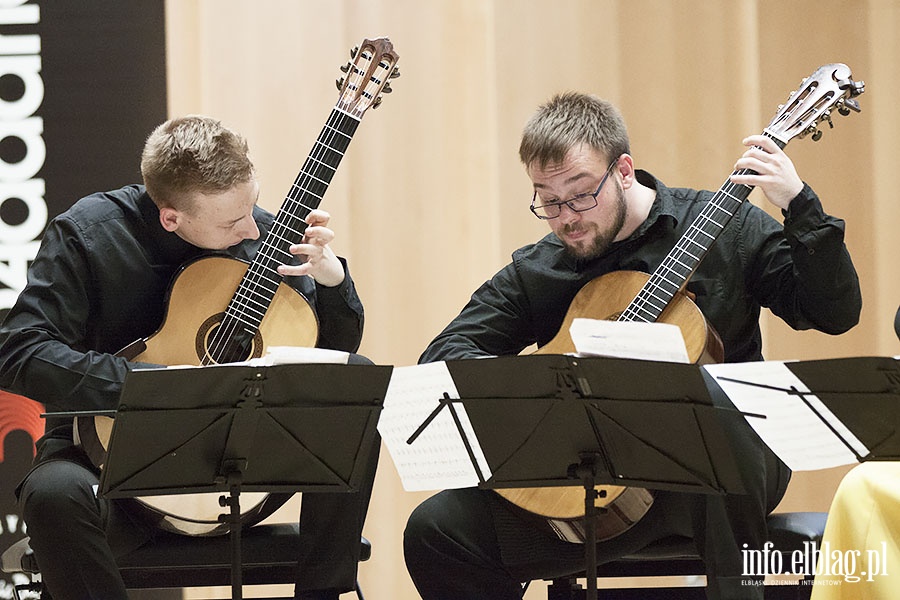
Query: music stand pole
{"x": 233, "y": 501}
{"x": 587, "y": 472}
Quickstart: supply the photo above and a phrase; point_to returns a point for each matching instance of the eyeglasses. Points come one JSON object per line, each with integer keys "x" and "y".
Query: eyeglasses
{"x": 579, "y": 203}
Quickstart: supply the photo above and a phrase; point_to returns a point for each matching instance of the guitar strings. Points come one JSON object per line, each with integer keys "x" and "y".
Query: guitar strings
{"x": 256, "y": 288}
{"x": 681, "y": 262}
{"x": 310, "y": 185}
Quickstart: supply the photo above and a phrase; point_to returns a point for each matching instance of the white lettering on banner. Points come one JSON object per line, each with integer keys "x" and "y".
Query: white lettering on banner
{"x": 20, "y": 58}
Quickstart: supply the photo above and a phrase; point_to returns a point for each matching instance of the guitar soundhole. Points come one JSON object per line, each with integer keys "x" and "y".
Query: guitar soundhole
{"x": 216, "y": 344}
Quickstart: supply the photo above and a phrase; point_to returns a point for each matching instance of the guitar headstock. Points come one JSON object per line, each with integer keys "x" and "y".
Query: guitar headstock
{"x": 829, "y": 87}
{"x": 372, "y": 65}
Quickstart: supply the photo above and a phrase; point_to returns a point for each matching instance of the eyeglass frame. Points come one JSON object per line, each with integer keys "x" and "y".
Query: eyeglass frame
{"x": 568, "y": 202}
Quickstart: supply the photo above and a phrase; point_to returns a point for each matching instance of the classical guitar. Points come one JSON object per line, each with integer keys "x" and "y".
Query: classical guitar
{"x": 634, "y": 296}
{"x": 222, "y": 310}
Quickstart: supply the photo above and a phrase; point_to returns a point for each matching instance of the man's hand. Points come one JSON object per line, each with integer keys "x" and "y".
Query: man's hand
{"x": 776, "y": 175}
{"x": 319, "y": 261}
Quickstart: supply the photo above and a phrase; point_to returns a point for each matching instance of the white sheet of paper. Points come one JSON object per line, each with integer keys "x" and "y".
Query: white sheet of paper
{"x": 437, "y": 459}
{"x": 286, "y": 355}
{"x": 791, "y": 428}
{"x": 629, "y": 339}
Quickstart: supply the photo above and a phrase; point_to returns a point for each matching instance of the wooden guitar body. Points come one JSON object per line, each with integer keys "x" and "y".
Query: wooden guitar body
{"x": 605, "y": 297}
{"x": 183, "y": 340}
{"x": 197, "y": 301}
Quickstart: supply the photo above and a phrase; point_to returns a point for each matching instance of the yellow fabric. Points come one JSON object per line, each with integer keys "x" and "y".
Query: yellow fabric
{"x": 862, "y": 537}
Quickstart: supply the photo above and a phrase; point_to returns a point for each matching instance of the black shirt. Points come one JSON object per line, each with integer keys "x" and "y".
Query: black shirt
{"x": 801, "y": 271}
{"x": 100, "y": 281}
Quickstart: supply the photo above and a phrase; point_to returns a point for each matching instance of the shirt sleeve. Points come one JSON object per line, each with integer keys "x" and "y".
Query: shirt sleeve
{"x": 803, "y": 272}
{"x": 42, "y": 350}
{"x": 340, "y": 313}
{"x": 493, "y": 323}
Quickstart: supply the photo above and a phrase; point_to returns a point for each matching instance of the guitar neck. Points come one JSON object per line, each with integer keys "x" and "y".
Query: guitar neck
{"x": 680, "y": 263}
{"x": 258, "y": 286}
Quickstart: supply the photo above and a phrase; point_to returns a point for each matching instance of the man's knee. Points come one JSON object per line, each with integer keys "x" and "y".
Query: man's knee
{"x": 54, "y": 492}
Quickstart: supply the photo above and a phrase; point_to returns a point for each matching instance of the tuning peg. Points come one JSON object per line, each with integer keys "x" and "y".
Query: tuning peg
{"x": 339, "y": 83}
{"x": 394, "y": 73}
{"x": 353, "y": 51}
{"x": 345, "y": 68}
{"x": 817, "y": 135}
{"x": 377, "y": 102}
{"x": 387, "y": 88}
{"x": 847, "y": 104}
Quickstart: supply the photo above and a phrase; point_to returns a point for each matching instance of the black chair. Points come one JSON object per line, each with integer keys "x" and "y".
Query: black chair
{"x": 676, "y": 556}
{"x": 268, "y": 553}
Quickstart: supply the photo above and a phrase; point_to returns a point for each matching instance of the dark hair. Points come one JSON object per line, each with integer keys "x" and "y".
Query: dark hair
{"x": 193, "y": 154}
{"x": 569, "y": 120}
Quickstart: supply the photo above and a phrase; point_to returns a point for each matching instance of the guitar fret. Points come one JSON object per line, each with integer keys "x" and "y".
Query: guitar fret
{"x": 735, "y": 198}
{"x": 308, "y": 191}
{"x": 722, "y": 209}
{"x": 650, "y": 297}
{"x": 339, "y": 132}
{"x": 683, "y": 253}
{"x": 636, "y": 315}
{"x": 286, "y": 241}
{"x": 681, "y": 261}
{"x": 326, "y": 163}
{"x": 261, "y": 281}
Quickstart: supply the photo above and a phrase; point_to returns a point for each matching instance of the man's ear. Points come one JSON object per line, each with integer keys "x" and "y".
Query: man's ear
{"x": 625, "y": 167}
{"x": 169, "y": 218}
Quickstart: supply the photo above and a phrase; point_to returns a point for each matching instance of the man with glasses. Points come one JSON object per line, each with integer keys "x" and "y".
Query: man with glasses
{"x": 605, "y": 216}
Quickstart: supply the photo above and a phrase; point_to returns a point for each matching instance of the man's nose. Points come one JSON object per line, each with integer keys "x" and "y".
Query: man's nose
{"x": 249, "y": 231}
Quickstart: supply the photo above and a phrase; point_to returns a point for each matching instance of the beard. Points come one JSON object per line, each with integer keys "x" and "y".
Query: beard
{"x": 599, "y": 242}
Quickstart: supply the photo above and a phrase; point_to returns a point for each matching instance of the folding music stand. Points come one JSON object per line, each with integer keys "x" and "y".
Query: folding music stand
{"x": 546, "y": 420}
{"x": 862, "y": 392}
{"x": 233, "y": 428}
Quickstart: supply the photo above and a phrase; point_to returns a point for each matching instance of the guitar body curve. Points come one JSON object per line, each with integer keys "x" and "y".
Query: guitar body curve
{"x": 199, "y": 294}
{"x": 605, "y": 297}
{"x": 289, "y": 321}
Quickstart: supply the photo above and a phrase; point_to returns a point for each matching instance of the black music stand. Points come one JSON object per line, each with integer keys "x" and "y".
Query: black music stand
{"x": 546, "y": 420}
{"x": 863, "y": 393}
{"x": 233, "y": 428}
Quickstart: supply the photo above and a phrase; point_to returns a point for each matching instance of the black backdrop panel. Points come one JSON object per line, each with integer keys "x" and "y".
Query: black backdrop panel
{"x": 100, "y": 87}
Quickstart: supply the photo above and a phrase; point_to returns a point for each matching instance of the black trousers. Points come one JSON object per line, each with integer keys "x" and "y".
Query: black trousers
{"x": 468, "y": 544}
{"x": 77, "y": 536}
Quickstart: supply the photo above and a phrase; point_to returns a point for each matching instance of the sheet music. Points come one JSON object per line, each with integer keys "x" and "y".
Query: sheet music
{"x": 791, "y": 428}
{"x": 437, "y": 459}
{"x": 629, "y": 339}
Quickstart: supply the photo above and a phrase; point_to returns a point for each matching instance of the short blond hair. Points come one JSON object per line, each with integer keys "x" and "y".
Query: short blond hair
{"x": 191, "y": 154}
{"x": 569, "y": 120}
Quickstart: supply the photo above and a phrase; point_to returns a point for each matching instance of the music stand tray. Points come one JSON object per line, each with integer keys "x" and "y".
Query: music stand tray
{"x": 233, "y": 428}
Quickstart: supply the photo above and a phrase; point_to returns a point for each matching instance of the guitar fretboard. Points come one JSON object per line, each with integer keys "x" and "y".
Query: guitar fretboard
{"x": 681, "y": 262}
{"x": 250, "y": 302}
